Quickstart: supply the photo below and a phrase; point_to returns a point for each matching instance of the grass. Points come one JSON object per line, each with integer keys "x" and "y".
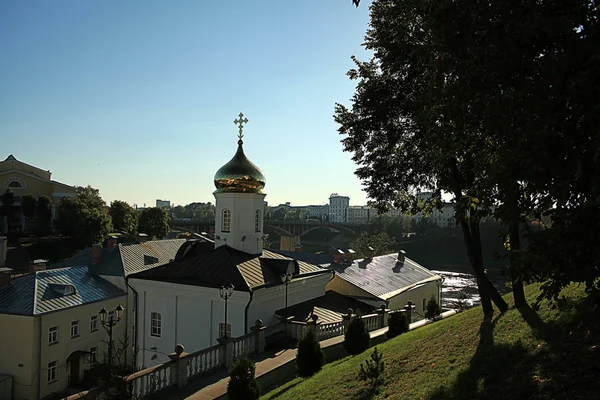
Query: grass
{"x": 521, "y": 354}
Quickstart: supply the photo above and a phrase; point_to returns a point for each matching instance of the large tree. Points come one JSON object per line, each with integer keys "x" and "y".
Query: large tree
{"x": 28, "y": 207}
{"x": 43, "y": 216}
{"x": 154, "y": 222}
{"x": 83, "y": 219}
{"x": 124, "y": 217}
{"x": 6, "y": 208}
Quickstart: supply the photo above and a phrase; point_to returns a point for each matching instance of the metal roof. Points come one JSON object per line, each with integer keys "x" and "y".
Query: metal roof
{"x": 203, "y": 265}
{"x": 47, "y": 291}
{"x": 383, "y": 276}
{"x": 329, "y": 308}
{"x": 126, "y": 258}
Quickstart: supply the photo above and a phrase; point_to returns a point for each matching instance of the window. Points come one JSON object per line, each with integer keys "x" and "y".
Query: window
{"x": 53, "y": 335}
{"x": 15, "y": 184}
{"x": 226, "y": 221}
{"x": 74, "y": 329}
{"x": 257, "y": 221}
{"x": 93, "y": 323}
{"x": 156, "y": 324}
{"x": 223, "y": 332}
{"x": 51, "y": 371}
{"x": 93, "y": 356}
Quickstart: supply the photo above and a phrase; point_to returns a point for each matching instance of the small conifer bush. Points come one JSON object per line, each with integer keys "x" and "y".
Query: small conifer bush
{"x": 309, "y": 357}
{"x": 356, "y": 338}
{"x": 242, "y": 384}
{"x": 432, "y": 310}
{"x": 397, "y": 324}
{"x": 372, "y": 370}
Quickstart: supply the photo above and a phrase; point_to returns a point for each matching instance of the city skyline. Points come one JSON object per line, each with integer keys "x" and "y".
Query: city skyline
{"x": 139, "y": 102}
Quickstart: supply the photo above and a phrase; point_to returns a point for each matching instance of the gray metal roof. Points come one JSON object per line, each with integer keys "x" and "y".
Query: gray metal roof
{"x": 127, "y": 258}
{"x": 47, "y": 291}
{"x": 383, "y": 276}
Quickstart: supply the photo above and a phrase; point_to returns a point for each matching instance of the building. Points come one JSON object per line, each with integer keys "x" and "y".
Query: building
{"x": 163, "y": 203}
{"x": 25, "y": 179}
{"x": 391, "y": 280}
{"x": 320, "y": 212}
{"x": 52, "y": 333}
{"x": 360, "y": 214}
{"x": 338, "y": 208}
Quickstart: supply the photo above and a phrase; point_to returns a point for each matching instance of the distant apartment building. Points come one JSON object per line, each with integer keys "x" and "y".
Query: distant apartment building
{"x": 442, "y": 218}
{"x": 163, "y": 203}
{"x": 360, "y": 214}
{"x": 315, "y": 212}
{"x": 338, "y": 208}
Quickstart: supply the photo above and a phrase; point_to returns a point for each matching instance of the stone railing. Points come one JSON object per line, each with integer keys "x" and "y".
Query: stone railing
{"x": 244, "y": 345}
{"x": 151, "y": 380}
{"x": 326, "y": 331}
{"x": 204, "y": 361}
{"x": 372, "y": 322}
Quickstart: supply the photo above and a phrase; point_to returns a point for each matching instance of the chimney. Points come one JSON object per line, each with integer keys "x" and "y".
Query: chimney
{"x": 96, "y": 254}
{"x": 141, "y": 238}
{"x": 3, "y": 245}
{"x": 111, "y": 242}
{"x": 37, "y": 265}
{"x": 5, "y": 274}
{"x": 401, "y": 256}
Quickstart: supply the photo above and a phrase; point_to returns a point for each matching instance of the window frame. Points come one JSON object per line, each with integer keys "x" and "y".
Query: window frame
{"x": 222, "y": 326}
{"x": 52, "y": 368}
{"x": 53, "y": 335}
{"x": 93, "y": 323}
{"x": 93, "y": 355}
{"x": 226, "y": 220}
{"x": 74, "y": 329}
{"x": 155, "y": 324}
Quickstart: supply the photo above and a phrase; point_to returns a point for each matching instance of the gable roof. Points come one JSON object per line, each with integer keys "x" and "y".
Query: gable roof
{"x": 126, "y": 258}
{"x": 54, "y": 290}
{"x": 383, "y": 276}
{"x": 203, "y": 265}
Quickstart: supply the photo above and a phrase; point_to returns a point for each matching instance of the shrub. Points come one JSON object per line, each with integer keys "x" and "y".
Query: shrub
{"x": 242, "y": 385}
{"x": 356, "y": 338}
{"x": 461, "y": 303}
{"x": 372, "y": 370}
{"x": 433, "y": 309}
{"x": 309, "y": 357}
{"x": 398, "y": 324}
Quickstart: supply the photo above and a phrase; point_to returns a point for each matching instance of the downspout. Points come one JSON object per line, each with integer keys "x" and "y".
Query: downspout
{"x": 135, "y": 322}
{"x": 246, "y": 312}
{"x": 39, "y": 370}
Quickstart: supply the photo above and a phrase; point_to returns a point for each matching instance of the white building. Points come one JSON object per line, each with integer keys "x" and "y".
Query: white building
{"x": 163, "y": 203}
{"x": 360, "y": 214}
{"x": 338, "y": 208}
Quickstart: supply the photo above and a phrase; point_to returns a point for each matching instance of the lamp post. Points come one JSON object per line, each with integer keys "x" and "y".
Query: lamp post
{"x": 225, "y": 292}
{"x": 286, "y": 279}
{"x": 108, "y": 320}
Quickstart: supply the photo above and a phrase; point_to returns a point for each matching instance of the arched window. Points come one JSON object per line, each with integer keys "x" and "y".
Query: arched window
{"x": 226, "y": 227}
{"x": 257, "y": 221}
{"x": 15, "y": 184}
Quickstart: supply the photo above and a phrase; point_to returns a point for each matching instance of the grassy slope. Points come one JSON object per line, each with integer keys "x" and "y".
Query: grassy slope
{"x": 542, "y": 354}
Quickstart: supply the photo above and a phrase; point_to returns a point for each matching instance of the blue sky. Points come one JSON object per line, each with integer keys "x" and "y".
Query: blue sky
{"x": 138, "y": 98}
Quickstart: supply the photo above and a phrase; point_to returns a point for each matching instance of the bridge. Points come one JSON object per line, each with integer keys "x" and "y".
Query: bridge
{"x": 285, "y": 228}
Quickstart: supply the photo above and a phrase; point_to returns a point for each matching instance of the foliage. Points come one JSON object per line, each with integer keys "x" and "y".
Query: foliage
{"x": 83, "y": 219}
{"x": 461, "y": 302}
{"x": 381, "y": 243}
{"x": 521, "y": 354}
{"x": 242, "y": 384}
{"x": 356, "y": 337}
{"x": 110, "y": 375}
{"x": 154, "y": 222}
{"x": 28, "y": 204}
{"x": 372, "y": 370}
{"x": 397, "y": 324}
{"x": 195, "y": 210}
{"x": 309, "y": 356}
{"x": 43, "y": 216}
{"x": 432, "y": 309}
{"x": 124, "y": 217}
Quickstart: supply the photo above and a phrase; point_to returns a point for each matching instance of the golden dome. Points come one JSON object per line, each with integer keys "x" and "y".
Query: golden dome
{"x": 239, "y": 175}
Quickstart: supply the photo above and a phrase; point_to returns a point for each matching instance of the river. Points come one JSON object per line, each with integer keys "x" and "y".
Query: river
{"x": 458, "y": 282}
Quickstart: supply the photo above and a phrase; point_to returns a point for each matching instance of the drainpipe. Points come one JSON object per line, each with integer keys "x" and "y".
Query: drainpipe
{"x": 246, "y": 312}
{"x": 135, "y": 321}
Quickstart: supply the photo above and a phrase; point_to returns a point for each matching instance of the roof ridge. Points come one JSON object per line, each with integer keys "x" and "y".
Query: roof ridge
{"x": 35, "y": 291}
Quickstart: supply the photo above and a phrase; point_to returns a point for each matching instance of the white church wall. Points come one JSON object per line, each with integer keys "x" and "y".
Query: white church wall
{"x": 268, "y": 300}
{"x": 190, "y": 315}
{"x": 243, "y": 207}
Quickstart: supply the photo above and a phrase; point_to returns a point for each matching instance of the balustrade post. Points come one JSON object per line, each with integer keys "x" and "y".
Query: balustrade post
{"x": 226, "y": 351}
{"x": 346, "y": 319}
{"x": 383, "y": 322}
{"x": 409, "y": 309}
{"x": 259, "y": 336}
{"x": 312, "y": 325}
{"x": 180, "y": 369}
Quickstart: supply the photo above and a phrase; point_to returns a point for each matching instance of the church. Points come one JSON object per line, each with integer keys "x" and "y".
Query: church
{"x": 216, "y": 288}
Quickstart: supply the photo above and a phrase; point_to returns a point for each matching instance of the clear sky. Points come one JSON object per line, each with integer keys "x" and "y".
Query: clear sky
{"x": 138, "y": 98}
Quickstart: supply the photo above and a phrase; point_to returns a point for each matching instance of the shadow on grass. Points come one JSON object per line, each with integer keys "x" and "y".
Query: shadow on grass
{"x": 282, "y": 391}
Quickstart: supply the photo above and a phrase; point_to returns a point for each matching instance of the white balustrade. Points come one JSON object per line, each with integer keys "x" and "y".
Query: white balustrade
{"x": 204, "y": 361}
{"x": 151, "y": 380}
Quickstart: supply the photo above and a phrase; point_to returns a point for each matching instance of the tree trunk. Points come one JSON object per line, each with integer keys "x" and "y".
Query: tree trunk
{"x": 486, "y": 302}
{"x": 516, "y": 276}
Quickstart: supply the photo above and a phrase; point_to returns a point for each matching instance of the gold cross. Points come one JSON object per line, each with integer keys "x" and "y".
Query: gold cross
{"x": 240, "y": 122}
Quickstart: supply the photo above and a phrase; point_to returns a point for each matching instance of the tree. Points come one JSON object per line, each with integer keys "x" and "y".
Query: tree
{"x": 28, "y": 207}
{"x": 381, "y": 243}
{"x": 154, "y": 222}
{"x": 309, "y": 356}
{"x": 43, "y": 216}
{"x": 242, "y": 384}
{"x": 400, "y": 136}
{"x": 372, "y": 370}
{"x": 84, "y": 218}
{"x": 397, "y": 324}
{"x": 124, "y": 217}
{"x": 432, "y": 309}
{"x": 8, "y": 201}
{"x": 356, "y": 337}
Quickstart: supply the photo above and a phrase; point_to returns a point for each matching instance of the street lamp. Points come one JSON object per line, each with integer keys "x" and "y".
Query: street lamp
{"x": 108, "y": 320}
{"x": 225, "y": 292}
{"x": 286, "y": 279}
